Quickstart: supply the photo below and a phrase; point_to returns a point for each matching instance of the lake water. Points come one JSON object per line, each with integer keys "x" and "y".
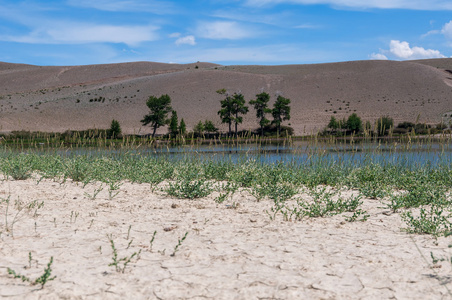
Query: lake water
{"x": 298, "y": 152}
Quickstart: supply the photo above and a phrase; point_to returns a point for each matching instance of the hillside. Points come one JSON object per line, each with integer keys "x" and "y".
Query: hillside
{"x": 81, "y": 97}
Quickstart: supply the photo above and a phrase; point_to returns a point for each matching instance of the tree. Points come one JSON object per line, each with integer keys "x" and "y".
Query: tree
{"x": 333, "y": 124}
{"x": 209, "y": 127}
{"x": 182, "y": 127}
{"x": 280, "y": 112}
{"x": 173, "y": 130}
{"x": 115, "y": 129}
{"x": 199, "y": 128}
{"x": 238, "y": 107}
{"x": 261, "y": 107}
{"x": 354, "y": 123}
{"x": 225, "y": 112}
{"x": 160, "y": 107}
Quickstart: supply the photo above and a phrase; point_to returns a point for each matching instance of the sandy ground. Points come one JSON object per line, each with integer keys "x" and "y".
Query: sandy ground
{"x": 229, "y": 253}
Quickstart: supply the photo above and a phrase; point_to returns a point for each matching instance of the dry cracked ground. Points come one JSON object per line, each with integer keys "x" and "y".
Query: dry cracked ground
{"x": 232, "y": 250}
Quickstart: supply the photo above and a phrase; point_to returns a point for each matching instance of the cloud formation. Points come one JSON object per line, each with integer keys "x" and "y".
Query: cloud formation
{"x": 87, "y": 33}
{"x": 381, "y": 4}
{"x": 402, "y": 50}
{"x": 447, "y": 30}
{"x": 220, "y": 30}
{"x": 378, "y": 56}
{"x": 157, "y": 7}
{"x": 186, "y": 40}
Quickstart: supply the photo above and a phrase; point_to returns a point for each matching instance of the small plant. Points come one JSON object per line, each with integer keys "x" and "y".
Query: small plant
{"x": 113, "y": 188}
{"x": 74, "y": 216}
{"x": 226, "y": 190}
{"x": 431, "y": 221}
{"x": 125, "y": 260}
{"x": 180, "y": 241}
{"x": 190, "y": 189}
{"x": 95, "y": 193}
{"x": 356, "y": 215}
{"x": 42, "y": 280}
{"x": 18, "y": 168}
{"x": 19, "y": 207}
{"x": 152, "y": 240}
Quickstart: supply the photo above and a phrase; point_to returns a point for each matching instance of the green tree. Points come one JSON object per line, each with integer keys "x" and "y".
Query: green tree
{"x": 209, "y": 127}
{"x": 173, "y": 130}
{"x": 280, "y": 112}
{"x": 182, "y": 127}
{"x": 115, "y": 129}
{"x": 160, "y": 107}
{"x": 384, "y": 124}
{"x": 333, "y": 124}
{"x": 354, "y": 123}
{"x": 261, "y": 107}
{"x": 238, "y": 108}
{"x": 226, "y": 113}
{"x": 199, "y": 128}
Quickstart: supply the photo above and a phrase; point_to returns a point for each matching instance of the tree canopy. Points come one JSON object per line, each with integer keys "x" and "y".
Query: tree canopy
{"x": 225, "y": 112}
{"x": 173, "y": 125}
{"x": 159, "y": 109}
{"x": 280, "y": 112}
{"x": 238, "y": 108}
{"x": 261, "y": 107}
{"x": 231, "y": 109}
{"x": 354, "y": 123}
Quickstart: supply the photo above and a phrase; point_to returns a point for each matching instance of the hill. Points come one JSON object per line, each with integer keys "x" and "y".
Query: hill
{"x": 49, "y": 98}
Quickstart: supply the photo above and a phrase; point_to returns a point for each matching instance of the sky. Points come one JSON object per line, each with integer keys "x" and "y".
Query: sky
{"x": 234, "y": 32}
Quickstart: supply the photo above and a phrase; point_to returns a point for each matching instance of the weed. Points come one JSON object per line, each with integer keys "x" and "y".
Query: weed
{"x": 189, "y": 189}
{"x": 356, "y": 215}
{"x": 431, "y": 221}
{"x": 42, "y": 280}
{"x": 152, "y": 240}
{"x": 74, "y": 216}
{"x": 19, "y": 207}
{"x": 179, "y": 243}
{"x": 95, "y": 193}
{"x": 227, "y": 190}
{"x": 128, "y": 232}
{"x": 125, "y": 260}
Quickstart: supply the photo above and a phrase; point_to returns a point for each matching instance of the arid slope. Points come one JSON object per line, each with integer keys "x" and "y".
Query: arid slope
{"x": 81, "y": 97}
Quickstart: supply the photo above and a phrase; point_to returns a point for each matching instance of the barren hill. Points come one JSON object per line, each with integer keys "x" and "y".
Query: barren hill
{"x": 81, "y": 97}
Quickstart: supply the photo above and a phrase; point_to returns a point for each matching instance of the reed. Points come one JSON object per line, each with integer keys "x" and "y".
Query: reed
{"x": 405, "y": 174}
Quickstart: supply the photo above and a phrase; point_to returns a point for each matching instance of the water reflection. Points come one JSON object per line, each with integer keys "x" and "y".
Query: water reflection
{"x": 299, "y": 152}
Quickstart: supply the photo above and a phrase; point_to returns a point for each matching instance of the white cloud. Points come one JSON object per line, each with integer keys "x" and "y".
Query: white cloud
{"x": 157, "y": 7}
{"x": 222, "y": 30}
{"x": 188, "y": 40}
{"x": 378, "y": 56}
{"x": 402, "y": 50}
{"x": 308, "y": 26}
{"x": 381, "y": 4}
{"x": 447, "y": 30}
{"x": 86, "y": 33}
{"x": 175, "y": 35}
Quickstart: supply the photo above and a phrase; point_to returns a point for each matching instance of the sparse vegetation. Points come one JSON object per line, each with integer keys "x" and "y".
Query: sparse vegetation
{"x": 42, "y": 280}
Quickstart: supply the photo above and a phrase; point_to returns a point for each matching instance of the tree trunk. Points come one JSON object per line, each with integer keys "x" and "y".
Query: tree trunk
{"x": 155, "y": 129}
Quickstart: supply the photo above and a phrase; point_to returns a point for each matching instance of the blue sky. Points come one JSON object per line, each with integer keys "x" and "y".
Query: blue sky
{"x": 77, "y": 32}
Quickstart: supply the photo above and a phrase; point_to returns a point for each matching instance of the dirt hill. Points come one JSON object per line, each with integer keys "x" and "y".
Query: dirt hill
{"x": 81, "y": 97}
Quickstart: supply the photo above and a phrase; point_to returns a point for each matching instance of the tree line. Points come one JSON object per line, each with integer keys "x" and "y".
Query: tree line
{"x": 232, "y": 109}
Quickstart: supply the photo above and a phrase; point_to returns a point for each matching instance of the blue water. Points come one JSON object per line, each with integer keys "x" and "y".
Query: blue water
{"x": 417, "y": 154}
